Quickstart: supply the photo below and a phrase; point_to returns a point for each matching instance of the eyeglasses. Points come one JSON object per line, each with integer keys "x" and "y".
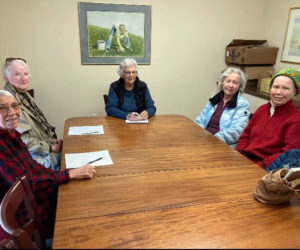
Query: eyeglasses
{"x": 5, "y": 109}
{"x": 129, "y": 72}
{"x": 10, "y": 59}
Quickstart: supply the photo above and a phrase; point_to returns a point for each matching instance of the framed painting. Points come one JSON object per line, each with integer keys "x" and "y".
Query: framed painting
{"x": 111, "y": 32}
{"x": 291, "y": 46}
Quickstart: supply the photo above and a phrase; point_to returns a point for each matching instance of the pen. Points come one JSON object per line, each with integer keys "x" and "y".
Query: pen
{"x": 95, "y": 160}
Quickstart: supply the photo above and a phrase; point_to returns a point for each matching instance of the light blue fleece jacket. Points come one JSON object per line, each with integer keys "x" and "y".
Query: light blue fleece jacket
{"x": 233, "y": 120}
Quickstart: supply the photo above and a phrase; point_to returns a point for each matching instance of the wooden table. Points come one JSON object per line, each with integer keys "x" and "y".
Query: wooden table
{"x": 172, "y": 185}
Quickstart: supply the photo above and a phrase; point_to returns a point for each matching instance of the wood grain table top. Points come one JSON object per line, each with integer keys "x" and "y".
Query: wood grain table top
{"x": 172, "y": 185}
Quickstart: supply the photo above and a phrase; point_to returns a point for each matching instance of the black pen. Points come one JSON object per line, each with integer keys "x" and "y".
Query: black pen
{"x": 95, "y": 160}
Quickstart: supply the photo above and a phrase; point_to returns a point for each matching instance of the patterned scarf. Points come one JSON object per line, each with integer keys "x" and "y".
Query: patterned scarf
{"x": 27, "y": 101}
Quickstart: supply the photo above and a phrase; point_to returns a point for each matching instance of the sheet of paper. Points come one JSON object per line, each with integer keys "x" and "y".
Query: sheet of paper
{"x": 86, "y": 130}
{"x": 80, "y": 159}
{"x": 142, "y": 121}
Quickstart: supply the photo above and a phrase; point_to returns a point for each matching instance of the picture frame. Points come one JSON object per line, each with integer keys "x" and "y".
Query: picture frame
{"x": 291, "y": 46}
{"x": 110, "y": 33}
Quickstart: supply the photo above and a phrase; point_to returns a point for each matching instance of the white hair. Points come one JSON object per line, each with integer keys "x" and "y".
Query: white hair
{"x": 8, "y": 66}
{"x": 127, "y": 62}
{"x": 6, "y": 93}
{"x": 228, "y": 72}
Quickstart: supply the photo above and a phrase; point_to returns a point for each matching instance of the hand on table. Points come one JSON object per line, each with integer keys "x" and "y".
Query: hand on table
{"x": 85, "y": 172}
{"x": 144, "y": 115}
{"x": 134, "y": 116}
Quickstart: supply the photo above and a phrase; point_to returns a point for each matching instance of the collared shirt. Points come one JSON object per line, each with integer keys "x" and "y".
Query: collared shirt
{"x": 266, "y": 138}
{"x": 272, "y": 109}
{"x": 15, "y": 161}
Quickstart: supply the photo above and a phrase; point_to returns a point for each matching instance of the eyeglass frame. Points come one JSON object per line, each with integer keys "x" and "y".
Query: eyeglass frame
{"x": 129, "y": 72}
{"x": 15, "y": 106}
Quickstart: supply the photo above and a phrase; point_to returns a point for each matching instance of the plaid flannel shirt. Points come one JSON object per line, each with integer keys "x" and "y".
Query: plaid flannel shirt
{"x": 15, "y": 161}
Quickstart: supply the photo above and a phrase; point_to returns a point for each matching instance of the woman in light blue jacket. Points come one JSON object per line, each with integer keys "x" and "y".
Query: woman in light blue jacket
{"x": 227, "y": 113}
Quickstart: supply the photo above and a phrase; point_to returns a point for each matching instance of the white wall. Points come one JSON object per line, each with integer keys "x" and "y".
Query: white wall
{"x": 188, "y": 40}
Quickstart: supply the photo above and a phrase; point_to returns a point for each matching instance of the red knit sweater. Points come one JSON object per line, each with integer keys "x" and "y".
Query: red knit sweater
{"x": 266, "y": 137}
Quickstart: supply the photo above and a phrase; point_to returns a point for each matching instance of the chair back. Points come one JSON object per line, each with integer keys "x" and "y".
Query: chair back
{"x": 19, "y": 240}
{"x": 8, "y": 244}
{"x": 20, "y": 192}
{"x": 105, "y": 98}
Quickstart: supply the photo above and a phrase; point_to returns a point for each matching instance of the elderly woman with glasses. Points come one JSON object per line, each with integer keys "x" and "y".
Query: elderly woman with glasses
{"x": 129, "y": 98}
{"x": 15, "y": 161}
{"x": 227, "y": 113}
{"x": 36, "y": 132}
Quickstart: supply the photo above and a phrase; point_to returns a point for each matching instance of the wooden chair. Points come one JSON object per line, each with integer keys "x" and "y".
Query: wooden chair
{"x": 8, "y": 244}
{"x": 18, "y": 193}
{"x": 105, "y": 98}
{"x": 22, "y": 239}
{"x": 19, "y": 240}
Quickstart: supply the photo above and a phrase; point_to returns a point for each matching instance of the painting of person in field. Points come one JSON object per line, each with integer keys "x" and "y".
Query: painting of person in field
{"x": 113, "y": 33}
{"x": 122, "y": 33}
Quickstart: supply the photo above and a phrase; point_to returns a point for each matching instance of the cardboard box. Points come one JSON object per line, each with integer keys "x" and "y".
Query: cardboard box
{"x": 252, "y": 85}
{"x": 264, "y": 85}
{"x": 264, "y": 81}
{"x": 249, "y": 52}
{"x": 255, "y": 72}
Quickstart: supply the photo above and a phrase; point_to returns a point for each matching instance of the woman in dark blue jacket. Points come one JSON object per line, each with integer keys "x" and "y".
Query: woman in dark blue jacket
{"x": 129, "y": 98}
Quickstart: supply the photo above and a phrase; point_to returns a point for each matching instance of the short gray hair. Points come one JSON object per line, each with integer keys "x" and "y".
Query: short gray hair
{"x": 6, "y": 93}
{"x": 127, "y": 62}
{"x": 8, "y": 66}
{"x": 228, "y": 72}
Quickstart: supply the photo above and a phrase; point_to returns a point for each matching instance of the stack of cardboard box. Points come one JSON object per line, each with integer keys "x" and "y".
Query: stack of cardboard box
{"x": 255, "y": 58}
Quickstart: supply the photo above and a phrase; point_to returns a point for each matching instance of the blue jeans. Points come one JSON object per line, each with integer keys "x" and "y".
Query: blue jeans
{"x": 290, "y": 158}
{"x": 111, "y": 36}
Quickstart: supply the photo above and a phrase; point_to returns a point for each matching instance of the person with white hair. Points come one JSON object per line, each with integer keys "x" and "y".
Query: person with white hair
{"x": 129, "y": 98}
{"x": 15, "y": 161}
{"x": 37, "y": 133}
{"x": 226, "y": 115}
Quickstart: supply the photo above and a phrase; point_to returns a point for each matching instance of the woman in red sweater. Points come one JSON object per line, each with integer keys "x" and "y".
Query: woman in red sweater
{"x": 274, "y": 128}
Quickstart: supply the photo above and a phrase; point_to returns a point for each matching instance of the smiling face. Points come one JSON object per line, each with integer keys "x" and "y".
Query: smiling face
{"x": 19, "y": 77}
{"x": 9, "y": 113}
{"x": 282, "y": 90}
{"x": 129, "y": 75}
{"x": 231, "y": 85}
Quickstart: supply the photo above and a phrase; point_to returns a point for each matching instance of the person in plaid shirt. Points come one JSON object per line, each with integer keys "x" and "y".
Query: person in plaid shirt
{"x": 16, "y": 161}
{"x": 36, "y": 132}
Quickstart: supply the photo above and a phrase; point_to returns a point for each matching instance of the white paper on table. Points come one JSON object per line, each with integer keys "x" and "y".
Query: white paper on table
{"x": 142, "y": 121}
{"x": 86, "y": 130}
{"x": 77, "y": 160}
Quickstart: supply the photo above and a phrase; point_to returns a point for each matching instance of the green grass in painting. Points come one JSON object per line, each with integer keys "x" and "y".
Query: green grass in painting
{"x": 96, "y": 33}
